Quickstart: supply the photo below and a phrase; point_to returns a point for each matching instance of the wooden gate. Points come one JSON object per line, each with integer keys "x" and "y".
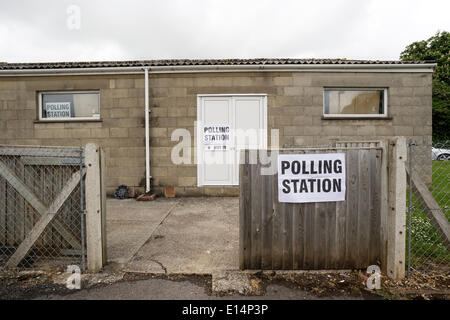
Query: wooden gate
{"x": 52, "y": 205}
{"x": 35, "y": 184}
{"x": 327, "y": 235}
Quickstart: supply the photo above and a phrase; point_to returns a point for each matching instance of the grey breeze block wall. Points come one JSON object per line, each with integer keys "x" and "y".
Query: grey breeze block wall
{"x": 295, "y": 104}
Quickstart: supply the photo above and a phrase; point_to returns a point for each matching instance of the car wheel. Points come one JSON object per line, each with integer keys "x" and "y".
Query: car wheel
{"x": 443, "y": 157}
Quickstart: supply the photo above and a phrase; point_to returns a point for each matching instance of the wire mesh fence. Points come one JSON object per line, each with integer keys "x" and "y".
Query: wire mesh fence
{"x": 428, "y": 202}
{"x": 41, "y": 207}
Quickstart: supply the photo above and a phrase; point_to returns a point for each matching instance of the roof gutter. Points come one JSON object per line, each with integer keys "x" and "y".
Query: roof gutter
{"x": 423, "y": 68}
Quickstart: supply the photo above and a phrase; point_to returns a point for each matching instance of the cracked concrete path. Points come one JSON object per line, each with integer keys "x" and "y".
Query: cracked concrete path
{"x": 130, "y": 223}
{"x": 198, "y": 236}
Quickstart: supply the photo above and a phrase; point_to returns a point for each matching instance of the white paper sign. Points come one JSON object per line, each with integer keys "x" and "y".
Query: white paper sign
{"x": 311, "y": 177}
{"x": 58, "y": 110}
{"x": 216, "y": 137}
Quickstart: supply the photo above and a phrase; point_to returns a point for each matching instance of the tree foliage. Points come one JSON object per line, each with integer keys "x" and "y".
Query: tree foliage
{"x": 436, "y": 48}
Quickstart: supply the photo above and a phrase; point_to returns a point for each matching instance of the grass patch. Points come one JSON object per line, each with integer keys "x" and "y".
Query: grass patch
{"x": 426, "y": 245}
{"x": 441, "y": 185}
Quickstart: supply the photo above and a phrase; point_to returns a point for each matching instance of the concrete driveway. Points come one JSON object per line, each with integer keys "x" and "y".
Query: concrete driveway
{"x": 173, "y": 236}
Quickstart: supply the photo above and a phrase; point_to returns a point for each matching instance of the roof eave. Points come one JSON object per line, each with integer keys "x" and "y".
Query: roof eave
{"x": 422, "y": 67}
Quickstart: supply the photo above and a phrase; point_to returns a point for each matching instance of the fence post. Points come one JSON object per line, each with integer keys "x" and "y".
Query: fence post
{"x": 384, "y": 209}
{"x": 103, "y": 188}
{"x": 410, "y": 162}
{"x": 396, "y": 219}
{"x": 95, "y": 210}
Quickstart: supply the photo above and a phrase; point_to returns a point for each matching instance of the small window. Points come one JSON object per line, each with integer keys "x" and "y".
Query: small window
{"x": 340, "y": 102}
{"x": 69, "y": 105}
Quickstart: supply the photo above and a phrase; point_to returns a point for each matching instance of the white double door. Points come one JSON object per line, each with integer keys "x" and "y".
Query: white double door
{"x": 238, "y": 122}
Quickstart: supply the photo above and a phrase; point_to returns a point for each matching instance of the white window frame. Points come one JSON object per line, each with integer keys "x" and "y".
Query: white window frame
{"x": 66, "y": 118}
{"x": 358, "y": 115}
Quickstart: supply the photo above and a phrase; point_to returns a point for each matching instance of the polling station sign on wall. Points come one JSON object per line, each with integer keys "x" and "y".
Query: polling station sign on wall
{"x": 311, "y": 177}
{"x": 58, "y": 110}
{"x": 216, "y": 137}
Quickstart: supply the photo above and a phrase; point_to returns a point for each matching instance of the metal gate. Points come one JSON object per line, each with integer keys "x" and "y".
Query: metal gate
{"x": 428, "y": 202}
{"x": 42, "y": 206}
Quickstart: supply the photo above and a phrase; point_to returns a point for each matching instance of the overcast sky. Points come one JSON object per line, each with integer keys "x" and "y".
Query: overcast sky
{"x": 47, "y": 30}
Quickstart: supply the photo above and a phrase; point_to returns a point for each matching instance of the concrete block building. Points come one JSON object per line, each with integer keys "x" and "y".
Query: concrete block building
{"x": 310, "y": 102}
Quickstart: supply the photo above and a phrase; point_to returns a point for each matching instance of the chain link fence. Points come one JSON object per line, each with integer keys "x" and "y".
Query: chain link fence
{"x": 41, "y": 207}
{"x": 428, "y": 202}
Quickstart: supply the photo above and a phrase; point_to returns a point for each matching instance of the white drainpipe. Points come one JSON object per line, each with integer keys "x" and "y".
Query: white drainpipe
{"x": 147, "y": 135}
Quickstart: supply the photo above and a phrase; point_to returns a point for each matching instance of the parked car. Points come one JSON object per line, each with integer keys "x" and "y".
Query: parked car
{"x": 440, "y": 154}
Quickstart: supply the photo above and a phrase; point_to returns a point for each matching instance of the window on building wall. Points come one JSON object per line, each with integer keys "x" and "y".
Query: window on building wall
{"x": 69, "y": 105}
{"x": 349, "y": 102}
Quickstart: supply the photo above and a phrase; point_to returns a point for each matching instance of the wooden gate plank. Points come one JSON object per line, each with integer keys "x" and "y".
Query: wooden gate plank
{"x": 340, "y": 225}
{"x": 286, "y": 216}
{"x": 364, "y": 203}
{"x": 375, "y": 212}
{"x": 308, "y": 248}
{"x": 44, "y": 221}
{"x": 20, "y": 203}
{"x": 298, "y": 221}
{"x": 341, "y": 233}
{"x": 267, "y": 221}
{"x": 331, "y": 253}
{"x": 2, "y": 211}
{"x": 320, "y": 237}
{"x": 255, "y": 216}
{"x": 277, "y": 244}
{"x": 244, "y": 209}
{"x": 46, "y": 198}
{"x": 10, "y": 210}
{"x": 29, "y": 211}
{"x": 352, "y": 207}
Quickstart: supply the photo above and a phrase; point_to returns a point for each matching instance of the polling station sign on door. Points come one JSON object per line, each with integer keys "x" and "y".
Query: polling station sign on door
{"x": 217, "y": 137}
{"x": 311, "y": 177}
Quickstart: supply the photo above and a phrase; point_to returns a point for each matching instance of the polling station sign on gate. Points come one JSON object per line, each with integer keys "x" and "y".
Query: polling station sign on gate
{"x": 311, "y": 177}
